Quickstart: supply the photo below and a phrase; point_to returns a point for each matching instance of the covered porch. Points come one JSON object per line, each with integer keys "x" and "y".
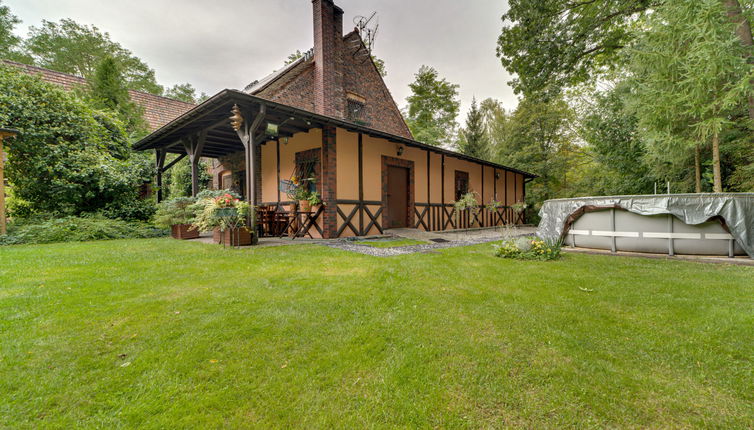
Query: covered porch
{"x": 238, "y": 126}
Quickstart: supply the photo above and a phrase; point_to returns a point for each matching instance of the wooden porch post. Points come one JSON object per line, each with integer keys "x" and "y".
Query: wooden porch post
{"x": 246, "y": 133}
{"x": 3, "y": 222}
{"x": 160, "y": 154}
{"x": 194, "y": 148}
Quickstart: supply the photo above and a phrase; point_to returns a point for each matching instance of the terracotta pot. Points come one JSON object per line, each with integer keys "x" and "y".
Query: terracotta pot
{"x": 304, "y": 205}
{"x": 183, "y": 232}
{"x": 240, "y": 237}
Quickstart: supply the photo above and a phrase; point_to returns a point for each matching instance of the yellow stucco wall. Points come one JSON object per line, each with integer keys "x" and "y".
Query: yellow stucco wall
{"x": 269, "y": 172}
{"x": 347, "y": 165}
{"x": 373, "y": 150}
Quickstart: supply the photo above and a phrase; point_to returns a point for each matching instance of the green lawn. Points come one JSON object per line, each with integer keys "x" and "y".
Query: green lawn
{"x": 165, "y": 334}
{"x": 389, "y": 243}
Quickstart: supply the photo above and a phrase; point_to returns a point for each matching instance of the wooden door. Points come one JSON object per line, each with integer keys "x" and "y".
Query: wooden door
{"x": 397, "y": 197}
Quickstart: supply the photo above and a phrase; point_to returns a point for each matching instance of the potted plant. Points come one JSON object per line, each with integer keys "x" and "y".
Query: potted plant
{"x": 177, "y": 214}
{"x": 466, "y": 202}
{"x": 227, "y": 216}
{"x": 301, "y": 192}
{"x": 493, "y": 205}
{"x": 314, "y": 199}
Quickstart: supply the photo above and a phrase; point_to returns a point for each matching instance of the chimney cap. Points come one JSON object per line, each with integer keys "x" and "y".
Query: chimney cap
{"x": 337, "y": 8}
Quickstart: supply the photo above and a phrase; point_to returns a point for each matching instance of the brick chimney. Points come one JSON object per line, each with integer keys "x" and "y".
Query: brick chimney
{"x": 329, "y": 97}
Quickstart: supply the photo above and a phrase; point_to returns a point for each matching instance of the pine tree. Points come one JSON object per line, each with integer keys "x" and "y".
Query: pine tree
{"x": 107, "y": 90}
{"x": 692, "y": 78}
{"x": 473, "y": 139}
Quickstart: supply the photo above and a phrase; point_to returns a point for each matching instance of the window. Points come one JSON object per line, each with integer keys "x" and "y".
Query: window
{"x": 308, "y": 168}
{"x": 462, "y": 184}
{"x": 355, "y": 111}
{"x": 355, "y": 105}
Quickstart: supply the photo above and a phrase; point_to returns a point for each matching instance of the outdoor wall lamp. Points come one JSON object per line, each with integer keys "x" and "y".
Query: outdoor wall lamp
{"x": 400, "y": 150}
{"x": 272, "y": 129}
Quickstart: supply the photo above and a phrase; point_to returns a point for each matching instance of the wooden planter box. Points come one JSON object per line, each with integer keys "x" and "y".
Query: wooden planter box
{"x": 183, "y": 232}
{"x": 229, "y": 238}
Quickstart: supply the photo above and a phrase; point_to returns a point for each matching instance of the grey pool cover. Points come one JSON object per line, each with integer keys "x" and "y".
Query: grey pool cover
{"x": 737, "y": 209}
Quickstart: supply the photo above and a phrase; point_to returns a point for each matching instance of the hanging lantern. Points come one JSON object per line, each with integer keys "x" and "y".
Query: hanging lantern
{"x": 236, "y": 120}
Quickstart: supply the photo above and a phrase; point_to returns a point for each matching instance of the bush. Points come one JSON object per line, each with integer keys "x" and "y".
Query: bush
{"x": 526, "y": 248}
{"x": 69, "y": 159}
{"x": 77, "y": 229}
{"x": 180, "y": 210}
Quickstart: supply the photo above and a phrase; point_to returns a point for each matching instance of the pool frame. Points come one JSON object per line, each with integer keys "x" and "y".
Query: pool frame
{"x": 617, "y": 229}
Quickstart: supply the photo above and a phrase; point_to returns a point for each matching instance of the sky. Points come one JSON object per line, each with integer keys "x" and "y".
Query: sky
{"x": 227, "y": 44}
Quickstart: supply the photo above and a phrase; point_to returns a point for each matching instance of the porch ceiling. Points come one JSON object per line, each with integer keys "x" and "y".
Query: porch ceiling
{"x": 212, "y": 117}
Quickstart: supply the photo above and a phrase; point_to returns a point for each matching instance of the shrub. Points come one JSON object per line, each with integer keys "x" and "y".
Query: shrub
{"x": 68, "y": 159}
{"x": 526, "y": 248}
{"x": 180, "y": 210}
{"x": 77, "y": 229}
{"x": 224, "y": 212}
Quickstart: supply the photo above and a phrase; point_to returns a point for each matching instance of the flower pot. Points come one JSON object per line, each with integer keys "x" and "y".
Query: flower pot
{"x": 304, "y": 205}
{"x": 292, "y": 207}
{"x": 226, "y": 212}
{"x": 183, "y": 232}
{"x": 236, "y": 237}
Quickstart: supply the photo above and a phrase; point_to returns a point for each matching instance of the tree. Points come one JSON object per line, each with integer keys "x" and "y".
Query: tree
{"x": 495, "y": 120}
{"x": 540, "y": 141}
{"x": 185, "y": 93}
{"x": 69, "y": 159}
{"x": 179, "y": 178}
{"x": 692, "y": 77}
{"x": 614, "y": 144}
{"x": 473, "y": 139}
{"x": 432, "y": 108}
{"x": 9, "y": 42}
{"x": 551, "y": 44}
{"x": 70, "y": 47}
{"x": 107, "y": 91}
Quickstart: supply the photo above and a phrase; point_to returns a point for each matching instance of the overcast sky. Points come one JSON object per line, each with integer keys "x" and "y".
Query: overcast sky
{"x": 227, "y": 44}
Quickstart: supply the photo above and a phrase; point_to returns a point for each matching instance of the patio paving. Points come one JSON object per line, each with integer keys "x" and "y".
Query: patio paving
{"x": 435, "y": 240}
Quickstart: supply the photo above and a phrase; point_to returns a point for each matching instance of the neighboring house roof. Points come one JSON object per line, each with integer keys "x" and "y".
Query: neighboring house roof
{"x": 158, "y": 110}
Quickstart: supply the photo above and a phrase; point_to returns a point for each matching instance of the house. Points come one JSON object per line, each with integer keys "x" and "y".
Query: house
{"x": 330, "y": 115}
{"x": 158, "y": 110}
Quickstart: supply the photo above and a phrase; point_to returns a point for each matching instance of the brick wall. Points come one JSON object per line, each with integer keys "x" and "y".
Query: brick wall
{"x": 329, "y": 182}
{"x": 360, "y": 76}
{"x": 340, "y": 64}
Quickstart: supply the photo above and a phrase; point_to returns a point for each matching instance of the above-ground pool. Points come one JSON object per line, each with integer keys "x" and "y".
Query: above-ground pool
{"x": 690, "y": 224}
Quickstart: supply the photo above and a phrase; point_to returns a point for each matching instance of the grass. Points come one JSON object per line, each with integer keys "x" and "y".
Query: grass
{"x": 158, "y": 333}
{"x": 389, "y": 243}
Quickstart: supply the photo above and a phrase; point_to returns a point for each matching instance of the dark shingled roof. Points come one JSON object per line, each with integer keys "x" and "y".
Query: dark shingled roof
{"x": 158, "y": 110}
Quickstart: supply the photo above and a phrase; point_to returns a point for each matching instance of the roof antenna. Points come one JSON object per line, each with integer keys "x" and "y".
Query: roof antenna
{"x": 367, "y": 32}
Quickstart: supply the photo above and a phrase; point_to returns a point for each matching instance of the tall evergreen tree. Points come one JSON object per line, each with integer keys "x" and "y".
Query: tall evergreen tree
{"x": 107, "y": 90}
{"x": 473, "y": 139}
{"x": 692, "y": 78}
{"x": 432, "y": 108}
